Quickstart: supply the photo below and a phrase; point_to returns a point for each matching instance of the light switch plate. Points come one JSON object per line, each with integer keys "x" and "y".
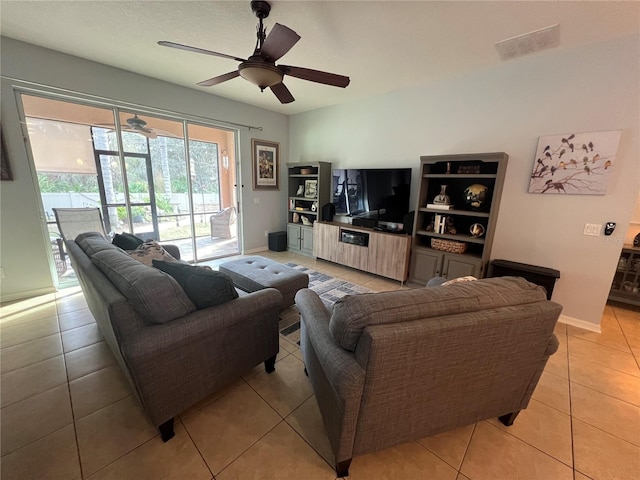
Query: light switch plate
{"x": 592, "y": 229}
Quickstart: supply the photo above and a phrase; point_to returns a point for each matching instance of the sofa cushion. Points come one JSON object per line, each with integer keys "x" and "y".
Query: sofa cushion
{"x": 154, "y": 295}
{"x": 205, "y": 287}
{"x": 352, "y": 314}
{"x": 127, "y": 241}
{"x": 92, "y": 242}
{"x": 149, "y": 251}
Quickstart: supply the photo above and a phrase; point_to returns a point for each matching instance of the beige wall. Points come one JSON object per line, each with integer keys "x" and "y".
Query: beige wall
{"x": 506, "y": 109}
{"x": 23, "y": 250}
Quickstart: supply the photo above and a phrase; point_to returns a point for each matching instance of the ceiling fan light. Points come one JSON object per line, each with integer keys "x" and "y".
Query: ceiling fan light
{"x": 261, "y": 75}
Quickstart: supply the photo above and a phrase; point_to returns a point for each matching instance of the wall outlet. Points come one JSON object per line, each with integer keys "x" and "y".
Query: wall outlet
{"x": 256, "y": 200}
{"x": 266, "y": 233}
{"x": 592, "y": 229}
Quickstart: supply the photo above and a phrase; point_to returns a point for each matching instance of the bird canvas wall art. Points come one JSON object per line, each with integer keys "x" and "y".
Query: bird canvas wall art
{"x": 575, "y": 163}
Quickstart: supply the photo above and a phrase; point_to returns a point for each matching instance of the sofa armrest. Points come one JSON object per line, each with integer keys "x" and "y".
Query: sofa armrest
{"x": 339, "y": 365}
{"x": 241, "y": 313}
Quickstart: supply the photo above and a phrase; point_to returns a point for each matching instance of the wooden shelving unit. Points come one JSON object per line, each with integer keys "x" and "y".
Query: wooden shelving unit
{"x": 489, "y": 170}
{"x": 299, "y": 235}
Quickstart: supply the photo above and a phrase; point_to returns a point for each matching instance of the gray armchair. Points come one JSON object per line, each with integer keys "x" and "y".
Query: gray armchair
{"x": 387, "y": 368}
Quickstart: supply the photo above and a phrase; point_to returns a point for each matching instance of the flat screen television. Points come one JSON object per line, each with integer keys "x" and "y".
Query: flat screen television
{"x": 381, "y": 194}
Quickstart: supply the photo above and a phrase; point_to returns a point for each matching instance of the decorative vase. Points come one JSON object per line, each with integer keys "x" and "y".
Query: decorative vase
{"x": 300, "y": 191}
{"x": 442, "y": 198}
{"x": 295, "y": 218}
{"x": 477, "y": 196}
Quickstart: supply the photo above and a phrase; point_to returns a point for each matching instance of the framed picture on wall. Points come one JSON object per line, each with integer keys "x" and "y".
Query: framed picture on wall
{"x": 265, "y": 160}
{"x": 575, "y": 163}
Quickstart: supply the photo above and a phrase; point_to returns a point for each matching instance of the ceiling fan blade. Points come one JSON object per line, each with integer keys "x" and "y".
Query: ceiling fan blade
{"x": 278, "y": 42}
{"x": 164, "y": 43}
{"x": 282, "y": 92}
{"x": 146, "y": 132}
{"x": 316, "y": 76}
{"x": 219, "y": 79}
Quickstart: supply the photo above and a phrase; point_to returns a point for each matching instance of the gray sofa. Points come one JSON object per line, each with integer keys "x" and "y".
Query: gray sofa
{"x": 172, "y": 354}
{"x": 391, "y": 367}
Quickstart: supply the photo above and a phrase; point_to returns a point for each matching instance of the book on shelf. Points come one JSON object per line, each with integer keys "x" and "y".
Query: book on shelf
{"x": 439, "y": 206}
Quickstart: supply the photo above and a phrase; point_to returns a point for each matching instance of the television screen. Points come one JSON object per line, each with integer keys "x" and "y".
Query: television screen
{"x": 382, "y": 194}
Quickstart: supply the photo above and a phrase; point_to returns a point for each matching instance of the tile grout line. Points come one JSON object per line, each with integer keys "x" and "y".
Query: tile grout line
{"x": 606, "y": 394}
{"x": 466, "y": 450}
{"x": 304, "y": 439}
{"x": 250, "y": 446}
{"x": 597, "y": 391}
{"x": 457, "y": 469}
{"x": 573, "y": 450}
{"x": 530, "y": 445}
{"x": 600, "y": 344}
{"x": 184, "y": 425}
{"x": 41, "y": 360}
{"x": 624, "y": 334}
{"x": 73, "y": 417}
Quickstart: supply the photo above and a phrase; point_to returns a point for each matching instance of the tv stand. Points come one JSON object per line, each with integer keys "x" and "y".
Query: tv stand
{"x": 381, "y": 253}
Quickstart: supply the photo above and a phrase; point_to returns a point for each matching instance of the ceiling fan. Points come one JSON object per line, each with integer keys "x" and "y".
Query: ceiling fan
{"x": 137, "y": 125}
{"x": 260, "y": 68}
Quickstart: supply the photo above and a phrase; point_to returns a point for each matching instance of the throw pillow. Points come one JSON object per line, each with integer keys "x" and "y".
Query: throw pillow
{"x": 127, "y": 241}
{"x": 149, "y": 251}
{"x": 204, "y": 287}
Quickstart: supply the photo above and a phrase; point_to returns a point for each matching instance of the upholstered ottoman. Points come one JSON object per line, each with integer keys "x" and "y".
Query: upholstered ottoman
{"x": 255, "y": 273}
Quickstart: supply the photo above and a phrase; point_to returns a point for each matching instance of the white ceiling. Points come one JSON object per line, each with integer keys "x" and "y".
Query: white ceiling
{"x": 382, "y": 46}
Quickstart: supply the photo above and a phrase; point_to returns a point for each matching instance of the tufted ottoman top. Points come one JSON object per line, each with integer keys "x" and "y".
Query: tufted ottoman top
{"x": 255, "y": 273}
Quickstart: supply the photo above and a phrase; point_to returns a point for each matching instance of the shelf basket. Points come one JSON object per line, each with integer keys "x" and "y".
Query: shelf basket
{"x": 450, "y": 246}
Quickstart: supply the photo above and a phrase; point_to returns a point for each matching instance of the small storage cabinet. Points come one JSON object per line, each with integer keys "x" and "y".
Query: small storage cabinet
{"x": 308, "y": 190}
{"x": 300, "y": 238}
{"x": 626, "y": 281}
{"x": 470, "y": 225}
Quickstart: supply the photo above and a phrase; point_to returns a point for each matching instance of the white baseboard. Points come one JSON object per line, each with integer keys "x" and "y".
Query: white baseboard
{"x": 256, "y": 250}
{"x": 575, "y": 322}
{"x": 11, "y": 297}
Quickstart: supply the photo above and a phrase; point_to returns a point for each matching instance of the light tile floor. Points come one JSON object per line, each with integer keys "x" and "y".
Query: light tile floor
{"x": 67, "y": 411}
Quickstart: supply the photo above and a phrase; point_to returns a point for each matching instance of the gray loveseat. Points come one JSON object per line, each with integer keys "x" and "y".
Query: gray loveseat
{"x": 387, "y": 368}
{"x": 172, "y": 354}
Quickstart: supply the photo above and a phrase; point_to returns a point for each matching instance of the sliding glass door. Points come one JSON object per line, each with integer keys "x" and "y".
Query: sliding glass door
{"x": 138, "y": 169}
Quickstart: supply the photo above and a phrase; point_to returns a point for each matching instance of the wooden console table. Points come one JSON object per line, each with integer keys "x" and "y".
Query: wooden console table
{"x": 384, "y": 254}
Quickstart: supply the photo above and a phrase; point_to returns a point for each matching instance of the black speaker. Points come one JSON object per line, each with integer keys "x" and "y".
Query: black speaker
{"x": 328, "y": 211}
{"x": 407, "y": 223}
{"x": 278, "y": 241}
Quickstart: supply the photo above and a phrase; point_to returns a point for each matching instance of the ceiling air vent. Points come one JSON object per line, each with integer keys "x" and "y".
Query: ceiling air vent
{"x": 527, "y": 43}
